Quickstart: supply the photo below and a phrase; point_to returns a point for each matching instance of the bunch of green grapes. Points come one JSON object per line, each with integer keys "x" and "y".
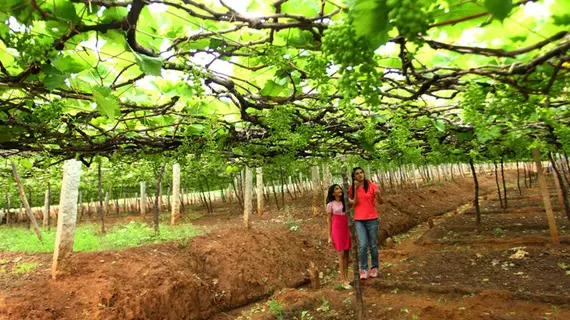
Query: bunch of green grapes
{"x": 356, "y": 62}
{"x": 32, "y": 49}
{"x": 408, "y": 16}
{"x": 316, "y": 68}
{"x": 346, "y": 49}
{"x": 363, "y": 81}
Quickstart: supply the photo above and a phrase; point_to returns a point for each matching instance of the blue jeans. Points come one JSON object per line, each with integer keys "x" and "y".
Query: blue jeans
{"x": 367, "y": 231}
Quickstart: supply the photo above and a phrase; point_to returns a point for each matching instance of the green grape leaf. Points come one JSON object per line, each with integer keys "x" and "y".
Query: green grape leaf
{"x": 519, "y": 38}
{"x": 464, "y": 136}
{"x": 500, "y": 9}
{"x": 215, "y": 43}
{"x": 307, "y": 8}
{"x": 559, "y": 6}
{"x": 131, "y": 135}
{"x": 253, "y": 6}
{"x": 272, "y": 88}
{"x": 26, "y": 163}
{"x": 20, "y": 9}
{"x": 4, "y": 30}
{"x": 66, "y": 10}
{"x": 232, "y": 169}
{"x": 489, "y": 134}
{"x": 175, "y": 31}
{"x": 115, "y": 43}
{"x": 439, "y": 124}
{"x": 114, "y": 14}
{"x": 149, "y": 65}
{"x": 199, "y": 44}
{"x": 370, "y": 20}
{"x": 54, "y": 78}
{"x": 534, "y": 116}
{"x": 380, "y": 118}
{"x": 54, "y": 81}
{"x": 301, "y": 39}
{"x": 115, "y": 38}
{"x": 561, "y": 20}
{"x": 55, "y": 28}
{"x": 107, "y": 104}
{"x": 68, "y": 64}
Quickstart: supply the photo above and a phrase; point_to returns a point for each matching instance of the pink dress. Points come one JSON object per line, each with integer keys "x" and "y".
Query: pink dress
{"x": 339, "y": 233}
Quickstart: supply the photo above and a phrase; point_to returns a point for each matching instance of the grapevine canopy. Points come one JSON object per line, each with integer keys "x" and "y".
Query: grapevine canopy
{"x": 400, "y": 80}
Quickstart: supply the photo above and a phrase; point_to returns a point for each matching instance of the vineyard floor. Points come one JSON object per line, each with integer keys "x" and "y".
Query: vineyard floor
{"x": 447, "y": 272}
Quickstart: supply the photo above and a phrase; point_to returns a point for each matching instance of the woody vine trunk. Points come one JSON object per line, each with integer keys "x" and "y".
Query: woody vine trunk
{"x": 476, "y": 200}
{"x": 565, "y": 203}
{"x": 33, "y": 221}
{"x": 157, "y": 198}
{"x": 497, "y": 182}
{"x": 100, "y": 195}
{"x": 519, "y": 179}
{"x": 504, "y": 183}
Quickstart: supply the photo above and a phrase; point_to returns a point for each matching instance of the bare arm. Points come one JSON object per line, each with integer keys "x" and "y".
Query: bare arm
{"x": 354, "y": 200}
{"x": 378, "y": 197}
{"x": 329, "y": 224}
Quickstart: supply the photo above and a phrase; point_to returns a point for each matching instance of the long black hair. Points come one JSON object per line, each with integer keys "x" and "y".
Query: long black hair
{"x": 331, "y": 197}
{"x": 365, "y": 181}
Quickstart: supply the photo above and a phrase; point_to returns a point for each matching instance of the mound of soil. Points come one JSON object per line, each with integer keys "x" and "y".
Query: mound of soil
{"x": 192, "y": 280}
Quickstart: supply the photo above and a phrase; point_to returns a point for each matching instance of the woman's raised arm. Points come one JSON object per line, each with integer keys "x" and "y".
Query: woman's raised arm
{"x": 354, "y": 199}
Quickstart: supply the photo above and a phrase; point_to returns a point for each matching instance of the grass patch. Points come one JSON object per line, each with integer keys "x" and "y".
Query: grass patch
{"x": 87, "y": 237}
{"x": 25, "y": 267}
{"x": 276, "y": 309}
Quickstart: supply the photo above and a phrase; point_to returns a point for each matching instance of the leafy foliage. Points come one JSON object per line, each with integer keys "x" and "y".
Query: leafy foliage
{"x": 499, "y": 8}
{"x": 398, "y": 81}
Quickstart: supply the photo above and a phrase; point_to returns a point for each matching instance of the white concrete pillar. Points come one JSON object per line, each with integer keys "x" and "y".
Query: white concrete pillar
{"x": 326, "y": 182}
{"x": 316, "y": 189}
{"x": 143, "y": 198}
{"x": 247, "y": 198}
{"x": 46, "y": 209}
{"x": 259, "y": 191}
{"x": 175, "y": 215}
{"x": 67, "y": 217}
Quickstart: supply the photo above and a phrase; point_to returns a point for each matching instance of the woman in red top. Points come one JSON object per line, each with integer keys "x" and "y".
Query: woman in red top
{"x": 338, "y": 230}
{"x": 365, "y": 220}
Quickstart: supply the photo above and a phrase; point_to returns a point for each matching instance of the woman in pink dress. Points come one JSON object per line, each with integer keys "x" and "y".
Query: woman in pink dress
{"x": 339, "y": 235}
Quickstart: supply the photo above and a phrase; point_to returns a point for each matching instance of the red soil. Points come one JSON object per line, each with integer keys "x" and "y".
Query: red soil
{"x": 231, "y": 267}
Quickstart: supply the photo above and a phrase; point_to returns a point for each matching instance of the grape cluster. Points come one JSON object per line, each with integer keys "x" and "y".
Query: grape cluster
{"x": 32, "y": 49}
{"x": 408, "y": 16}
{"x": 344, "y": 47}
{"x": 355, "y": 59}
